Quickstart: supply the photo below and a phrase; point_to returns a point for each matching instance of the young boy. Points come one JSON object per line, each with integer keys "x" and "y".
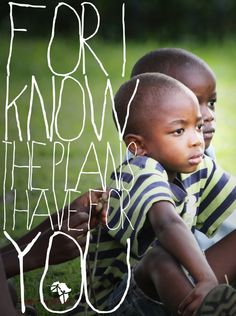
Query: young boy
{"x": 195, "y": 73}
{"x": 164, "y": 132}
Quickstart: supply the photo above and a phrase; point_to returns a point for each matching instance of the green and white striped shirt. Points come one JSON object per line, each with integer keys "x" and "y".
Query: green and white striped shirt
{"x": 204, "y": 199}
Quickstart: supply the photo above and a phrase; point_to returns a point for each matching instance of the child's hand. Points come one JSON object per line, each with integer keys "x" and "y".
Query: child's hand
{"x": 190, "y": 305}
{"x": 63, "y": 248}
{"x": 99, "y": 212}
{"x": 99, "y": 200}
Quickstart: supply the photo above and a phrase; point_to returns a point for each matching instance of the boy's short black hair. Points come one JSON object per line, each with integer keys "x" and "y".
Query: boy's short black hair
{"x": 153, "y": 89}
{"x": 167, "y": 61}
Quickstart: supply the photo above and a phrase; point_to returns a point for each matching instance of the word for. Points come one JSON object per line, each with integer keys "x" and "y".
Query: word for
{"x": 83, "y": 41}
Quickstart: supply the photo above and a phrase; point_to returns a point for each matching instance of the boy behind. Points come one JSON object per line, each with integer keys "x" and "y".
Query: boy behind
{"x": 164, "y": 132}
{"x": 193, "y": 72}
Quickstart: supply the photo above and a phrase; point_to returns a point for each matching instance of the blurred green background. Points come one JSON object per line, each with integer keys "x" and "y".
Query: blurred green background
{"x": 208, "y": 29}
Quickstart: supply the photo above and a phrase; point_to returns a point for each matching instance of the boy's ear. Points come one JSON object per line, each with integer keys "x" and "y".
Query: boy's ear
{"x": 135, "y": 144}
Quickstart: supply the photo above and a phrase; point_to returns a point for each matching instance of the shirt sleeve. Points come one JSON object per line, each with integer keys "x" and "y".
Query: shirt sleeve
{"x": 128, "y": 210}
{"x": 218, "y": 199}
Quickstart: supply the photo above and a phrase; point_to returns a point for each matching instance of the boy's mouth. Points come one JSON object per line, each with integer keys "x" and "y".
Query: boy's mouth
{"x": 196, "y": 159}
{"x": 208, "y": 133}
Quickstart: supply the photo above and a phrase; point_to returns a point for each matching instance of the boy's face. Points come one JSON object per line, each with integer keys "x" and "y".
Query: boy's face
{"x": 203, "y": 85}
{"x": 174, "y": 134}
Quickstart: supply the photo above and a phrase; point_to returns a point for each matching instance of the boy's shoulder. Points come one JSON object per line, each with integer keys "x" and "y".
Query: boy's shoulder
{"x": 207, "y": 173}
{"x": 144, "y": 164}
{"x": 138, "y": 169}
{"x": 204, "y": 169}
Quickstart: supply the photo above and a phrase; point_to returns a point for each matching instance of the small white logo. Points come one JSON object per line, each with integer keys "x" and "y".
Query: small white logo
{"x": 62, "y": 291}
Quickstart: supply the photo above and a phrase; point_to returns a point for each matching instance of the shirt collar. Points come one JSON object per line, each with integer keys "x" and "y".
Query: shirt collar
{"x": 178, "y": 190}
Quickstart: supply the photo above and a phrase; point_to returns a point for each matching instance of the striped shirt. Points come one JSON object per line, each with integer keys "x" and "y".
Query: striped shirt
{"x": 204, "y": 199}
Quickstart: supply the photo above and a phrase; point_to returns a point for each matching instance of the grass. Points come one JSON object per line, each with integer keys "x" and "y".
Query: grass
{"x": 29, "y": 58}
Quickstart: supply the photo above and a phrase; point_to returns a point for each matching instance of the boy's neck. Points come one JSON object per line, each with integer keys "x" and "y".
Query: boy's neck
{"x": 171, "y": 175}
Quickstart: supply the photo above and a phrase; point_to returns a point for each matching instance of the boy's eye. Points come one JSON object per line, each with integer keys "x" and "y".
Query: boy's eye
{"x": 200, "y": 127}
{"x": 211, "y": 104}
{"x": 179, "y": 131}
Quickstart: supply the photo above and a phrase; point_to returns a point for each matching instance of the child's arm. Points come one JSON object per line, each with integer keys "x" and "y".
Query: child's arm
{"x": 78, "y": 204}
{"x": 178, "y": 240}
{"x": 63, "y": 248}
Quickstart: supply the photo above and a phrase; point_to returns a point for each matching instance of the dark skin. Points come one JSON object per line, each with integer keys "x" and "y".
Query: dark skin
{"x": 177, "y": 128}
{"x": 7, "y": 307}
{"x": 9, "y": 265}
{"x": 193, "y": 73}
{"x": 201, "y": 80}
{"x": 167, "y": 271}
{"x": 153, "y": 275}
{"x": 36, "y": 257}
{"x": 203, "y": 84}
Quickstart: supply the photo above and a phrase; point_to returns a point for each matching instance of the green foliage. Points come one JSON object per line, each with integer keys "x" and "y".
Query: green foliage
{"x": 170, "y": 19}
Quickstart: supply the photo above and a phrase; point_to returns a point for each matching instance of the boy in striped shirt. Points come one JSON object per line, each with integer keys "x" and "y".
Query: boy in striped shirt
{"x": 166, "y": 190}
{"x": 196, "y": 74}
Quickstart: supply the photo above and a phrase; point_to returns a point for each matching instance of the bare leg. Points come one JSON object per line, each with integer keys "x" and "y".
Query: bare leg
{"x": 160, "y": 277}
{"x": 158, "y": 272}
{"x": 222, "y": 258}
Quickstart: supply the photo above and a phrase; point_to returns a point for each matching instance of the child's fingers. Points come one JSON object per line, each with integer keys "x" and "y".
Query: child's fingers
{"x": 81, "y": 239}
{"x": 101, "y": 207}
{"x": 99, "y": 200}
{"x": 190, "y": 310}
{"x": 104, "y": 218}
{"x": 102, "y": 202}
{"x": 185, "y": 308}
{"x": 95, "y": 196}
{"x": 76, "y": 222}
{"x": 79, "y": 233}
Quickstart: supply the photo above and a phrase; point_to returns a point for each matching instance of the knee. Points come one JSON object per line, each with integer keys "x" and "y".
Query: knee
{"x": 159, "y": 258}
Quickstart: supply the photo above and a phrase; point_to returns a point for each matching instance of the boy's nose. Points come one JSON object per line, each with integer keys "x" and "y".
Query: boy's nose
{"x": 207, "y": 114}
{"x": 196, "y": 139}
